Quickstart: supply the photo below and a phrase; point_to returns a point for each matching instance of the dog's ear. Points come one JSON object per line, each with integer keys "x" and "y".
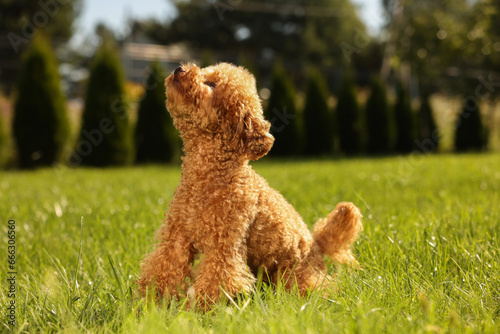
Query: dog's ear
{"x": 250, "y": 136}
{"x": 257, "y": 140}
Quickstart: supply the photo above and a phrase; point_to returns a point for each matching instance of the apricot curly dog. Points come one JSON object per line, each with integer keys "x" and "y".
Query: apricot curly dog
{"x": 223, "y": 210}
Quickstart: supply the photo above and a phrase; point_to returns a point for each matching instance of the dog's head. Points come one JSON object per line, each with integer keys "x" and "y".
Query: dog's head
{"x": 221, "y": 100}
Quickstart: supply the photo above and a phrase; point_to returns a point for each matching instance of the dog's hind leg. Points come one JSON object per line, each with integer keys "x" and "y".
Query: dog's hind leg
{"x": 305, "y": 275}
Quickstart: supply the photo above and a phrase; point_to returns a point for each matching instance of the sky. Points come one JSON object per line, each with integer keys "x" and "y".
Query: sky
{"x": 116, "y": 13}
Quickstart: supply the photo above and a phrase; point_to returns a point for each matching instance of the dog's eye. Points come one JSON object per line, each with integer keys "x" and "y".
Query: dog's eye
{"x": 210, "y": 84}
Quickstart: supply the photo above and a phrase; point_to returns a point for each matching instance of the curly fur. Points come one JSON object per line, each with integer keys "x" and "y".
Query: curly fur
{"x": 226, "y": 212}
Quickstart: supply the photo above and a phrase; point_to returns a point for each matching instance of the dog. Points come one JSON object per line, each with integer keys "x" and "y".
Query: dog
{"x": 225, "y": 213}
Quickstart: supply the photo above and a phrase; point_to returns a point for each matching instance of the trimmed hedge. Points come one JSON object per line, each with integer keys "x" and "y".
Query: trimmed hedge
{"x": 428, "y": 130}
{"x": 155, "y": 135}
{"x": 282, "y": 114}
{"x": 40, "y": 125}
{"x": 378, "y": 119}
{"x": 349, "y": 118}
{"x": 105, "y": 135}
{"x": 318, "y": 123}
{"x": 4, "y": 140}
{"x": 470, "y": 133}
{"x": 405, "y": 122}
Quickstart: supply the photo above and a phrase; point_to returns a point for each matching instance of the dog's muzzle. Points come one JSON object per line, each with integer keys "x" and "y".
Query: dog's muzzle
{"x": 177, "y": 71}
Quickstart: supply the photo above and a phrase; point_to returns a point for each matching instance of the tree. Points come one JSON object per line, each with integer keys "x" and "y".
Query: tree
{"x": 282, "y": 114}
{"x": 105, "y": 135}
{"x": 155, "y": 136}
{"x": 491, "y": 18}
{"x": 443, "y": 40}
{"x": 349, "y": 118}
{"x": 304, "y": 30}
{"x": 22, "y": 20}
{"x": 40, "y": 124}
{"x": 405, "y": 124}
{"x": 469, "y": 131}
{"x": 427, "y": 126}
{"x": 55, "y": 18}
{"x": 377, "y": 118}
{"x": 318, "y": 123}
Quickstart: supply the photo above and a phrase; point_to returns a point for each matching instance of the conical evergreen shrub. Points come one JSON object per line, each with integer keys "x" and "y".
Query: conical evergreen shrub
{"x": 428, "y": 130}
{"x": 40, "y": 125}
{"x": 377, "y": 119}
{"x": 318, "y": 122}
{"x": 469, "y": 133}
{"x": 155, "y": 135}
{"x": 349, "y": 118}
{"x": 105, "y": 136}
{"x": 4, "y": 149}
{"x": 282, "y": 114}
{"x": 405, "y": 123}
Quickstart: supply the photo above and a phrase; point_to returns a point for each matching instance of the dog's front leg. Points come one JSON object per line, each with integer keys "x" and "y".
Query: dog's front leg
{"x": 222, "y": 270}
{"x": 166, "y": 268}
{"x": 222, "y": 273}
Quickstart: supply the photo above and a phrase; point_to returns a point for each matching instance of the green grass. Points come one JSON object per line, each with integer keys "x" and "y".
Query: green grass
{"x": 429, "y": 251}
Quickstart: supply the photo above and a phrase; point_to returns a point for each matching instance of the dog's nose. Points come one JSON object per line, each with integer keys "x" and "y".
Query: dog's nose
{"x": 178, "y": 70}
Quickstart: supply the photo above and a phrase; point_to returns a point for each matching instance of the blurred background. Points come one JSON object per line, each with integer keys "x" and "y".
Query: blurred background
{"x": 81, "y": 81}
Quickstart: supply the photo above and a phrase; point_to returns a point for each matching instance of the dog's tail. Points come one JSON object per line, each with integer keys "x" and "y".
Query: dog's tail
{"x": 336, "y": 233}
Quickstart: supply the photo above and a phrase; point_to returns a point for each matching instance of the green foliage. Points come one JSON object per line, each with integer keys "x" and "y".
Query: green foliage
{"x": 488, "y": 12}
{"x": 207, "y": 58}
{"x": 21, "y": 20}
{"x": 427, "y": 125}
{"x": 405, "y": 123}
{"x": 282, "y": 114}
{"x": 155, "y": 135}
{"x": 378, "y": 119}
{"x": 423, "y": 21}
{"x": 434, "y": 35}
{"x": 422, "y": 252}
{"x": 4, "y": 150}
{"x": 105, "y": 33}
{"x": 40, "y": 124}
{"x": 105, "y": 135}
{"x": 318, "y": 123}
{"x": 349, "y": 118}
{"x": 252, "y": 28}
{"x": 469, "y": 131}
{"x": 59, "y": 17}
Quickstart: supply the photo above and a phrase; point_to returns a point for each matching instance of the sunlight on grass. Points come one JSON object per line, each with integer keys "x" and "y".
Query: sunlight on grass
{"x": 429, "y": 251}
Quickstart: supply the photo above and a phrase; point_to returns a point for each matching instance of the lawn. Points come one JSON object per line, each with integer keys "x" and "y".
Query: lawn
{"x": 429, "y": 251}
